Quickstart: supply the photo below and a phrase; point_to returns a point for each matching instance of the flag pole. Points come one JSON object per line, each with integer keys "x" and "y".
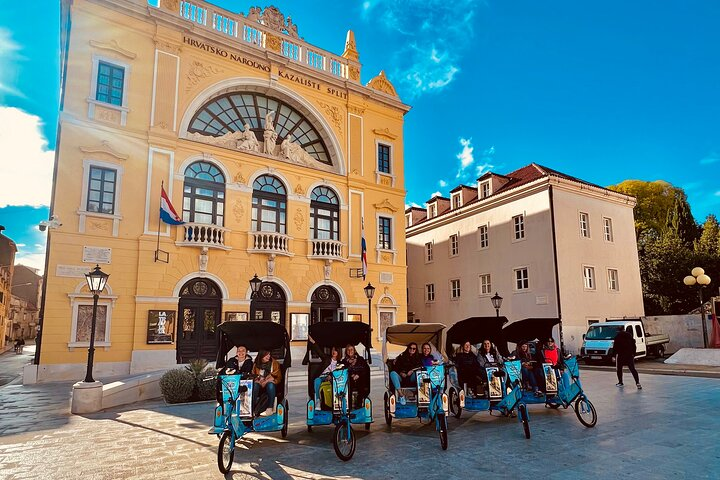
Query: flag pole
{"x": 157, "y": 248}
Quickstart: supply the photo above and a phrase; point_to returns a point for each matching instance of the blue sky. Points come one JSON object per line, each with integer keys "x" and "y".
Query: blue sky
{"x": 605, "y": 91}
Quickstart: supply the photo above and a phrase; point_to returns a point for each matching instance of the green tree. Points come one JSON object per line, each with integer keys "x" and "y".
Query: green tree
{"x": 709, "y": 242}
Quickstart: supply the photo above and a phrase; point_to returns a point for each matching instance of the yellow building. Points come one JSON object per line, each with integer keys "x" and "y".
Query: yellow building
{"x": 7, "y": 268}
{"x": 270, "y": 149}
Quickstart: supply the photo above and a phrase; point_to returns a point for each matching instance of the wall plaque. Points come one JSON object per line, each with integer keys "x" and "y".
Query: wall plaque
{"x": 74, "y": 271}
{"x": 96, "y": 254}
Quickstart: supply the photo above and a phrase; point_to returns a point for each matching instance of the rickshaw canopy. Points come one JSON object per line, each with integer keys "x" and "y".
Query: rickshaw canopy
{"x": 405, "y": 333}
{"x": 529, "y": 329}
{"x": 255, "y": 336}
{"x": 475, "y": 330}
{"x": 340, "y": 334}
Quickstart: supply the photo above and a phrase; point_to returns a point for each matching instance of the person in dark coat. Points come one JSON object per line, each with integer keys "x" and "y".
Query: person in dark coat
{"x": 624, "y": 347}
{"x": 404, "y": 363}
{"x": 468, "y": 368}
{"x": 359, "y": 375}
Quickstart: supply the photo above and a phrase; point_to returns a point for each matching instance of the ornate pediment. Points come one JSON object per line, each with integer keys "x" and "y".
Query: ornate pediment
{"x": 385, "y": 205}
{"x": 384, "y": 132}
{"x": 113, "y": 46}
{"x": 273, "y": 19}
{"x": 104, "y": 148}
{"x": 382, "y": 84}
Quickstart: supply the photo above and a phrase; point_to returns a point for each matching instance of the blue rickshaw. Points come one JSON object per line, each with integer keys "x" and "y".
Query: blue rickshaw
{"x": 236, "y": 412}
{"x": 500, "y": 392}
{"x": 426, "y": 399}
{"x": 347, "y": 401}
{"x": 560, "y": 387}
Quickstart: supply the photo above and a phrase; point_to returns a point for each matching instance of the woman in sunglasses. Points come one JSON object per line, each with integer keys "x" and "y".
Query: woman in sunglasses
{"x": 401, "y": 374}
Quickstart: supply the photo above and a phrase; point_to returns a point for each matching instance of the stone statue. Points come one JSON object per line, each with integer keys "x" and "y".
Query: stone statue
{"x": 269, "y": 135}
{"x": 248, "y": 140}
{"x": 254, "y": 14}
{"x": 295, "y": 153}
{"x": 291, "y": 28}
{"x": 271, "y": 265}
{"x": 204, "y": 259}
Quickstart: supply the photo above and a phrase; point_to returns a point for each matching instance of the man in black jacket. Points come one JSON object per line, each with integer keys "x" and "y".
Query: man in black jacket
{"x": 624, "y": 346}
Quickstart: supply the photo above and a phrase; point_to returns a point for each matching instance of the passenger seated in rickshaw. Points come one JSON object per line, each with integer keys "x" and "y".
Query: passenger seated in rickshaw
{"x": 550, "y": 353}
{"x": 358, "y": 376}
{"x": 527, "y": 367}
{"x": 240, "y": 364}
{"x": 488, "y": 357}
{"x": 268, "y": 376}
{"x": 427, "y": 358}
{"x": 468, "y": 369}
{"x": 401, "y": 375}
{"x": 328, "y": 364}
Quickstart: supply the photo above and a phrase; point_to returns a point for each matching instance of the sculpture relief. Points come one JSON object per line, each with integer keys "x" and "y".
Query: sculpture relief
{"x": 238, "y": 211}
{"x": 299, "y": 188}
{"x": 327, "y": 269}
{"x": 239, "y": 179}
{"x": 198, "y": 72}
{"x": 204, "y": 259}
{"x": 299, "y": 220}
{"x": 273, "y": 19}
{"x": 354, "y": 73}
{"x": 382, "y": 84}
{"x": 270, "y": 135}
{"x": 248, "y": 141}
{"x": 271, "y": 265}
{"x": 334, "y": 113}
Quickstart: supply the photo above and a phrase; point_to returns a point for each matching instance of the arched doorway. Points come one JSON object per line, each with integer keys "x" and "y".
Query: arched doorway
{"x": 269, "y": 304}
{"x": 199, "y": 307}
{"x": 325, "y": 305}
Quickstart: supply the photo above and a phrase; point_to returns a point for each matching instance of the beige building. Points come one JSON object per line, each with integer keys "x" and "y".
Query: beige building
{"x": 25, "y": 303}
{"x": 551, "y": 245}
{"x": 7, "y": 268}
{"x": 272, "y": 152}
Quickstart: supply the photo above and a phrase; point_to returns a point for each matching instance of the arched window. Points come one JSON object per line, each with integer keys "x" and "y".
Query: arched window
{"x": 204, "y": 194}
{"x": 324, "y": 214}
{"x": 269, "y": 203}
{"x": 230, "y": 112}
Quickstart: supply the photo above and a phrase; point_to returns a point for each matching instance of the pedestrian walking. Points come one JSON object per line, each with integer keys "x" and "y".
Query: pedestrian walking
{"x": 625, "y": 355}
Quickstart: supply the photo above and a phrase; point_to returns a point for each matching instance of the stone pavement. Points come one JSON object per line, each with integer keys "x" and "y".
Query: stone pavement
{"x": 667, "y": 430}
{"x": 11, "y": 364}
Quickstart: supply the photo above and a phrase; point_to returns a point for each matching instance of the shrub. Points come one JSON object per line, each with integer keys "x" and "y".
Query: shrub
{"x": 205, "y": 387}
{"x": 177, "y": 385}
{"x": 197, "y": 367}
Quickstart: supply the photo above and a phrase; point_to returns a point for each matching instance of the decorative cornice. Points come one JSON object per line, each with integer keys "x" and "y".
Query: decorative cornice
{"x": 385, "y": 205}
{"x": 199, "y": 71}
{"x": 105, "y": 148}
{"x": 167, "y": 47}
{"x": 112, "y": 45}
{"x": 384, "y": 132}
{"x": 382, "y": 84}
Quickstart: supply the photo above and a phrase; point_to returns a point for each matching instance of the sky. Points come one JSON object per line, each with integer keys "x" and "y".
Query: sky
{"x": 604, "y": 91}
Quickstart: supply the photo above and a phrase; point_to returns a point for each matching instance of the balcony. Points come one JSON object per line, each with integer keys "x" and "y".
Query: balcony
{"x": 326, "y": 250}
{"x": 270, "y": 243}
{"x": 202, "y": 235}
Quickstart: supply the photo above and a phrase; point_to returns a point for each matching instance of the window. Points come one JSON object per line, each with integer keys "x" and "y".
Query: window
{"x": 484, "y": 189}
{"x": 454, "y": 289}
{"x": 385, "y": 233}
{"x": 589, "y": 278}
{"x": 408, "y": 220}
{"x": 612, "y": 278}
{"x": 430, "y": 292}
{"x": 522, "y": 279}
{"x": 268, "y": 205}
{"x": 638, "y": 331}
{"x": 428, "y": 252}
{"x": 456, "y": 203}
{"x": 454, "y": 245}
{"x": 519, "y": 227}
{"x": 483, "y": 233}
{"x": 101, "y": 190}
{"x": 485, "y": 284}
{"x": 204, "y": 194}
{"x": 584, "y": 225}
{"x": 608, "y": 229}
{"x": 432, "y": 210}
{"x": 383, "y": 158}
{"x": 592, "y": 321}
{"x": 110, "y": 83}
{"x": 324, "y": 214}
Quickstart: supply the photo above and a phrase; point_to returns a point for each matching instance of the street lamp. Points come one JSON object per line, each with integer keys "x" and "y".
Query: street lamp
{"x": 698, "y": 277}
{"x": 369, "y": 293}
{"x": 255, "y": 285}
{"x": 96, "y": 281}
{"x": 497, "y": 303}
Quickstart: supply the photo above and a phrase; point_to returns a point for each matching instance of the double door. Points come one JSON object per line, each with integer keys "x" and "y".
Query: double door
{"x": 197, "y": 336}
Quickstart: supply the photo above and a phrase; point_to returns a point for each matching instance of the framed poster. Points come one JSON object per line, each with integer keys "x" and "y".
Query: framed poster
{"x": 236, "y": 316}
{"x": 161, "y": 326}
{"x": 354, "y": 317}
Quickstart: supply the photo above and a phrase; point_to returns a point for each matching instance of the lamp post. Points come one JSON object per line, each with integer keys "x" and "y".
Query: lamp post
{"x": 96, "y": 281}
{"x": 369, "y": 293}
{"x": 255, "y": 286}
{"x": 699, "y": 278}
{"x": 497, "y": 303}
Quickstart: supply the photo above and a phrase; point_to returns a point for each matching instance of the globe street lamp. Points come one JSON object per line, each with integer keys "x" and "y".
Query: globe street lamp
{"x": 497, "y": 303}
{"x": 369, "y": 293}
{"x": 699, "y": 278}
{"x": 96, "y": 281}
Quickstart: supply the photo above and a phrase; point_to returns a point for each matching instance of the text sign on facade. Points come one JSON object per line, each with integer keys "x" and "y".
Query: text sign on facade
{"x": 97, "y": 254}
{"x": 74, "y": 271}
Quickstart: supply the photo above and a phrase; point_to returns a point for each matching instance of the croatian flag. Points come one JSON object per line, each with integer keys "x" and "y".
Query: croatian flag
{"x": 363, "y": 250}
{"x": 167, "y": 212}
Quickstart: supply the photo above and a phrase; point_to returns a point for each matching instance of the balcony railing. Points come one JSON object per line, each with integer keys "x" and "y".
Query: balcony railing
{"x": 202, "y": 235}
{"x": 270, "y": 243}
{"x": 326, "y": 250}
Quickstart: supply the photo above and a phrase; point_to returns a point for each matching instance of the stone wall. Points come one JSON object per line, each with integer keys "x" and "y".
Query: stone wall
{"x": 685, "y": 331}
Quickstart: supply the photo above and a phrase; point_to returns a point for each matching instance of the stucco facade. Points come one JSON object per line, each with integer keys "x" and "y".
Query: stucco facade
{"x": 144, "y": 90}
{"x": 507, "y": 242}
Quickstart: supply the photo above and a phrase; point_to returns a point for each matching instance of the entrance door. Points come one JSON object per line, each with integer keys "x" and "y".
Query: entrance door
{"x": 325, "y": 305}
{"x": 200, "y": 305}
{"x": 269, "y": 304}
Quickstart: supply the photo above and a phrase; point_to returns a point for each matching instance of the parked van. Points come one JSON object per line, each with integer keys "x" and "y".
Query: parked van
{"x": 598, "y": 341}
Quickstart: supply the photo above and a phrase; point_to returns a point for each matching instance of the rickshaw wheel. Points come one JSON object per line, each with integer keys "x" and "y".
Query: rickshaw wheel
{"x": 455, "y": 407}
{"x": 386, "y": 409}
{"x": 309, "y": 428}
{"x": 226, "y": 452}
{"x": 585, "y": 411}
{"x": 367, "y": 426}
{"x": 524, "y": 419}
{"x": 284, "y": 431}
{"x": 443, "y": 430}
{"x": 344, "y": 447}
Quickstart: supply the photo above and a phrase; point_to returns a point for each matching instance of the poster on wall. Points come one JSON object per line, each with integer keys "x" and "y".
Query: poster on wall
{"x": 236, "y": 316}
{"x": 161, "y": 325}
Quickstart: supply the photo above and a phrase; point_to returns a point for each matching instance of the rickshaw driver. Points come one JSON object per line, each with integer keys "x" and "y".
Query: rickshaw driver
{"x": 405, "y": 362}
{"x": 240, "y": 364}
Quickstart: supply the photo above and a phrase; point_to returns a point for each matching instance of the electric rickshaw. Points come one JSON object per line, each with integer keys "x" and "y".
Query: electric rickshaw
{"x": 236, "y": 412}
{"x": 341, "y": 400}
{"x": 498, "y": 391}
{"x": 426, "y": 399}
{"x": 561, "y": 388}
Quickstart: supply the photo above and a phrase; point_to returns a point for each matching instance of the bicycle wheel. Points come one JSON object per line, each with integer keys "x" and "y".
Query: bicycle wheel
{"x": 286, "y": 419}
{"x": 455, "y": 407}
{"x": 226, "y": 451}
{"x": 524, "y": 419}
{"x": 442, "y": 428}
{"x": 386, "y": 409}
{"x": 585, "y": 411}
{"x": 344, "y": 441}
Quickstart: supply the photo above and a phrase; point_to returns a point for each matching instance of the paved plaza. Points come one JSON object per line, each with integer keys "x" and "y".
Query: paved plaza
{"x": 667, "y": 430}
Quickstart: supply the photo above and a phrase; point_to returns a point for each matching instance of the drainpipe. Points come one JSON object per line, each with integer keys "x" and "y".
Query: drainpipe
{"x": 557, "y": 274}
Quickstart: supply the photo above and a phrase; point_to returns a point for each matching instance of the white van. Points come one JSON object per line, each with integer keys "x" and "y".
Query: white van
{"x": 600, "y": 337}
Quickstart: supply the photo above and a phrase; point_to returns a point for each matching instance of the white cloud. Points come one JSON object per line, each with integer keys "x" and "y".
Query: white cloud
{"x": 32, "y": 260}
{"x": 19, "y": 245}
{"x": 482, "y": 169}
{"x": 26, "y": 168}
{"x": 9, "y": 57}
{"x": 712, "y": 157}
{"x": 436, "y": 194}
{"x": 412, "y": 205}
{"x": 466, "y": 155}
{"x": 442, "y": 183}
